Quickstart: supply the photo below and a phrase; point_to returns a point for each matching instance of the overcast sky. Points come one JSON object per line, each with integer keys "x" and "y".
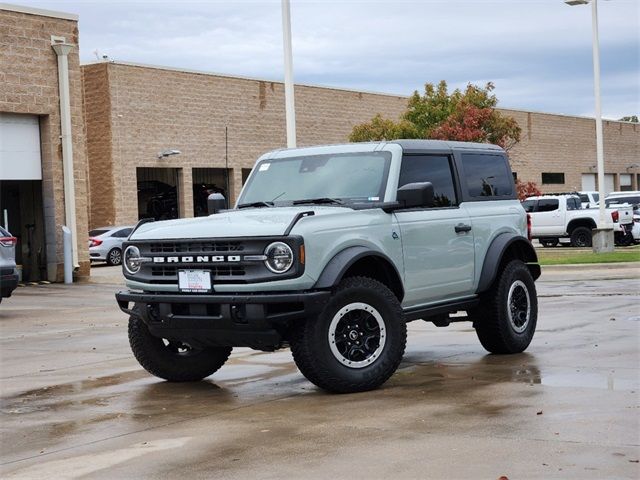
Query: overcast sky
{"x": 537, "y": 52}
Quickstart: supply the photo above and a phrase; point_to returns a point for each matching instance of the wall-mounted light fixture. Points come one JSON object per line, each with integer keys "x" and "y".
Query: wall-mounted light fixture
{"x": 632, "y": 166}
{"x": 168, "y": 153}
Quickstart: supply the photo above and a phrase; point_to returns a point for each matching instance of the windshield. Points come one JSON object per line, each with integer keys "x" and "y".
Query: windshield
{"x": 97, "y": 232}
{"x": 347, "y": 177}
{"x": 632, "y": 200}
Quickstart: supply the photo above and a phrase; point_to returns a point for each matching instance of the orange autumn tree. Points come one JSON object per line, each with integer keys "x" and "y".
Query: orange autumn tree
{"x": 526, "y": 189}
{"x": 468, "y": 115}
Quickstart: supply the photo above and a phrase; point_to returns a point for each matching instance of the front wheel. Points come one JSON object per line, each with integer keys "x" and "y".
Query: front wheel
{"x": 357, "y": 341}
{"x": 506, "y": 319}
{"x": 174, "y": 361}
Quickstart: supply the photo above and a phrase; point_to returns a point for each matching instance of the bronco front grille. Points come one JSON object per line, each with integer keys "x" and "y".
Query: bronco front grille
{"x": 195, "y": 247}
{"x": 230, "y": 260}
{"x": 216, "y": 271}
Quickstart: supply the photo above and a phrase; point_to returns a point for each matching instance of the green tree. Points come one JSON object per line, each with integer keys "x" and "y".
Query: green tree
{"x": 630, "y": 118}
{"x": 468, "y": 115}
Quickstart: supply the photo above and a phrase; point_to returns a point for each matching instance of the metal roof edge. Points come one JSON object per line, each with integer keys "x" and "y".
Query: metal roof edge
{"x": 38, "y": 11}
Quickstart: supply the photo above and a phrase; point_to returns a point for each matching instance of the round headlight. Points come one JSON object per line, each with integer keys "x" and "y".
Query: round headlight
{"x": 279, "y": 257}
{"x": 131, "y": 259}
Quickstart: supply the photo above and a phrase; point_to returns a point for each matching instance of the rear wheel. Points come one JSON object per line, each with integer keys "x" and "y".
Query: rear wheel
{"x": 114, "y": 257}
{"x": 174, "y": 361}
{"x": 581, "y": 237}
{"x": 357, "y": 341}
{"x": 506, "y": 319}
{"x": 623, "y": 239}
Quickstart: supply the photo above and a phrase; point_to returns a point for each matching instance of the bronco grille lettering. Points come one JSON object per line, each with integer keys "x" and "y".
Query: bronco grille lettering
{"x": 197, "y": 259}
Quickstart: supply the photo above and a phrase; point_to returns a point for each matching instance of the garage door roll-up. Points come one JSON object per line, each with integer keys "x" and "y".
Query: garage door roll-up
{"x": 20, "y": 147}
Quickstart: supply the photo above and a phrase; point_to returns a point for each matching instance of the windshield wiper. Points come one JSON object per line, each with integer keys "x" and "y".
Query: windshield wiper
{"x": 319, "y": 201}
{"x": 255, "y": 205}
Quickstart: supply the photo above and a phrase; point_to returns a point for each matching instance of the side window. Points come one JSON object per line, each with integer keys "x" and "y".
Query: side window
{"x": 487, "y": 175}
{"x": 430, "y": 168}
{"x": 573, "y": 204}
{"x": 529, "y": 205}
{"x": 124, "y": 233}
{"x": 548, "y": 204}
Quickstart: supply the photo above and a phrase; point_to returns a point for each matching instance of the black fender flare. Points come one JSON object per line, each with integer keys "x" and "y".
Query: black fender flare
{"x": 496, "y": 251}
{"x": 335, "y": 269}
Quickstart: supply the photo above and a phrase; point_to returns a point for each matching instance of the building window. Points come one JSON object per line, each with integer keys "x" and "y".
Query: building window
{"x": 245, "y": 174}
{"x": 552, "y": 178}
{"x": 625, "y": 182}
{"x": 205, "y": 182}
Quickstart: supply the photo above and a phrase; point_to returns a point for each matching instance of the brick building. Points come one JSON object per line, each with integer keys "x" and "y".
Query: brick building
{"x": 221, "y": 124}
{"x": 38, "y": 136}
{"x": 126, "y": 123}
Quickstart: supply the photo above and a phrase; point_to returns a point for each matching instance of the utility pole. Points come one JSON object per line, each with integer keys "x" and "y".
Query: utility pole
{"x": 290, "y": 108}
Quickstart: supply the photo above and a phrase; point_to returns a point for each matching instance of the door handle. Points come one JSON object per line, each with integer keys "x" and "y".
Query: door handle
{"x": 462, "y": 228}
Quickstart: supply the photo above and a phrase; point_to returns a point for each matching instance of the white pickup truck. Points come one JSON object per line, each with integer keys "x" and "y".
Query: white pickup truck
{"x": 561, "y": 216}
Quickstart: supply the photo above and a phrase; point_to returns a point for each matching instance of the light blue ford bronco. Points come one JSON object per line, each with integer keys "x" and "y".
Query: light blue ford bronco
{"x": 331, "y": 250}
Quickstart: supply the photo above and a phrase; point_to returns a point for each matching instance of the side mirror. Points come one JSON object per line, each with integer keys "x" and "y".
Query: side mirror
{"x": 215, "y": 203}
{"x": 414, "y": 195}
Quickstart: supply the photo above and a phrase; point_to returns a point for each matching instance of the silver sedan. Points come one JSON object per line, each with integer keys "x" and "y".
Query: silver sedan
{"x": 105, "y": 244}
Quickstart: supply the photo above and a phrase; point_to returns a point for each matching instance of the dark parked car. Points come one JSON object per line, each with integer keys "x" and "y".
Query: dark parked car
{"x": 8, "y": 270}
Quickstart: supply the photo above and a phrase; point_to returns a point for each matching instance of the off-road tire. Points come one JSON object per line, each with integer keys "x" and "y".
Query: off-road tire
{"x": 493, "y": 326}
{"x": 581, "y": 237}
{"x": 113, "y": 258}
{"x": 311, "y": 348}
{"x": 159, "y": 360}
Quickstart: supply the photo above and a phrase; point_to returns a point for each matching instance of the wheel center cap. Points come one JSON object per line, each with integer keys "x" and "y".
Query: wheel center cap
{"x": 353, "y": 335}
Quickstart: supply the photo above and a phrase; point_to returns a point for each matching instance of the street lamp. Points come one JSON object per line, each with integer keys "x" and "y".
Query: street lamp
{"x": 289, "y": 102}
{"x": 603, "y": 235}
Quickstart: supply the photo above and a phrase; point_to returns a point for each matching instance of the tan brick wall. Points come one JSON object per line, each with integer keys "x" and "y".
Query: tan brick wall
{"x": 557, "y": 143}
{"x": 95, "y": 82}
{"x": 29, "y": 85}
{"x": 154, "y": 109}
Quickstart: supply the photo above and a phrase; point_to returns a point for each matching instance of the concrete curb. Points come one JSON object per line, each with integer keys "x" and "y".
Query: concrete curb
{"x": 590, "y": 266}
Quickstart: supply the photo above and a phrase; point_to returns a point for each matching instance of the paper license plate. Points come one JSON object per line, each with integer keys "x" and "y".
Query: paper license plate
{"x": 194, "y": 281}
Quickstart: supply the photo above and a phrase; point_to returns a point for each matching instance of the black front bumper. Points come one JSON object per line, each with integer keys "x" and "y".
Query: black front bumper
{"x": 259, "y": 321}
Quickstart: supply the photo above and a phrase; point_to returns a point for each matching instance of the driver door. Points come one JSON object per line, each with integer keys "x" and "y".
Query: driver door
{"x": 437, "y": 242}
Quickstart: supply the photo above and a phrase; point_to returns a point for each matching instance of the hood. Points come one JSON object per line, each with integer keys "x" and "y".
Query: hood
{"x": 250, "y": 222}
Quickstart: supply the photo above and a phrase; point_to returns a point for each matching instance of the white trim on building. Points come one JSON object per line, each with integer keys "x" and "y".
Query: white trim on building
{"x": 38, "y": 11}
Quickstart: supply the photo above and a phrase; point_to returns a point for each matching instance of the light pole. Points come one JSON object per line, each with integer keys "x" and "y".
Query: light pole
{"x": 603, "y": 235}
{"x": 290, "y": 108}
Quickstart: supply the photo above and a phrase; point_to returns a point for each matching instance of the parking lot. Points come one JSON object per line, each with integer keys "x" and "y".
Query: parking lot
{"x": 75, "y": 403}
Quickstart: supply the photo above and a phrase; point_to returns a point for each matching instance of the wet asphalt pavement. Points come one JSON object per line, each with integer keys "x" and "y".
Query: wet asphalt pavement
{"x": 75, "y": 404}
